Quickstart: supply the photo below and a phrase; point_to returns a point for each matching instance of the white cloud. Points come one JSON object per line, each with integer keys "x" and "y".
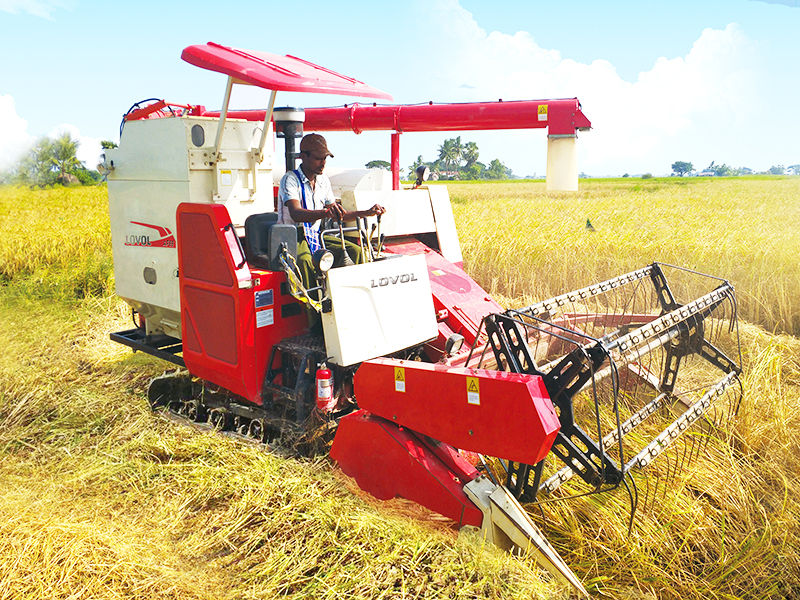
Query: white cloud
{"x": 705, "y": 97}
{"x": 795, "y": 3}
{"x": 37, "y": 8}
{"x": 88, "y": 147}
{"x": 15, "y": 139}
{"x": 698, "y": 100}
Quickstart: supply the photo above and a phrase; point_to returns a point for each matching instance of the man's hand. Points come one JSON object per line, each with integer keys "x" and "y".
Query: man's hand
{"x": 334, "y": 211}
{"x": 375, "y": 211}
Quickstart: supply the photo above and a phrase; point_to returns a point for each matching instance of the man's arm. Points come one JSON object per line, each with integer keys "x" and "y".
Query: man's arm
{"x": 333, "y": 211}
{"x": 303, "y": 215}
{"x": 359, "y": 214}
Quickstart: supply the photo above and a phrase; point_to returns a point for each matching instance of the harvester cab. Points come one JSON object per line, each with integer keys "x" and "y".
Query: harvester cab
{"x": 426, "y": 386}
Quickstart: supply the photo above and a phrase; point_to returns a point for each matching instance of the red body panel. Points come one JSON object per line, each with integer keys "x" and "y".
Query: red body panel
{"x": 508, "y": 415}
{"x": 228, "y": 330}
{"x": 460, "y": 303}
{"x": 387, "y": 460}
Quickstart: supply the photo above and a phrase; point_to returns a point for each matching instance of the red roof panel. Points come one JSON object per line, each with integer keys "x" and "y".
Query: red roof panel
{"x": 274, "y": 72}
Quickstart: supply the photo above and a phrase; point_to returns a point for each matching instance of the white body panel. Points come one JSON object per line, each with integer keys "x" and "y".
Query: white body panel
{"x": 449, "y": 245}
{"x": 378, "y": 308}
{"x": 408, "y": 212}
{"x": 562, "y": 163}
{"x": 158, "y": 166}
{"x": 343, "y": 180}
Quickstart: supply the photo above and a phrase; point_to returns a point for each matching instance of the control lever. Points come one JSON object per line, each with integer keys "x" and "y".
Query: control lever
{"x": 347, "y": 261}
{"x": 369, "y": 240}
{"x": 361, "y": 240}
{"x": 380, "y": 240}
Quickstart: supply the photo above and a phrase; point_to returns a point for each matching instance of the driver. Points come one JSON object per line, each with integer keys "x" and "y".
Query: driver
{"x": 305, "y": 197}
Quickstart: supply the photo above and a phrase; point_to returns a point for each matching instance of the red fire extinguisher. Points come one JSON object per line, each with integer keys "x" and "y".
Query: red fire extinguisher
{"x": 325, "y": 399}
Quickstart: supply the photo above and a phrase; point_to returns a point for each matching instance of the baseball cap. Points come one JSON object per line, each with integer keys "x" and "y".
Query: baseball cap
{"x": 314, "y": 142}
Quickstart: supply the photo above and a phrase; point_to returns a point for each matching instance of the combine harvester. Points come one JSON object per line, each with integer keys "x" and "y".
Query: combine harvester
{"x": 428, "y": 388}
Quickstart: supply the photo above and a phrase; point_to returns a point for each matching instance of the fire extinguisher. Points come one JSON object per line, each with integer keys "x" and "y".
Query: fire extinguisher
{"x": 325, "y": 399}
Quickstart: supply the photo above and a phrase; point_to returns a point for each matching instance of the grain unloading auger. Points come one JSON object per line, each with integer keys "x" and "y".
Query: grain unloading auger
{"x": 427, "y": 388}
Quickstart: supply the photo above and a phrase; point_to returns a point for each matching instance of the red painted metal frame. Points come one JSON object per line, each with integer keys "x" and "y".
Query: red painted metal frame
{"x": 275, "y": 72}
{"x": 508, "y": 415}
{"x": 219, "y": 312}
{"x": 395, "y": 154}
{"x": 388, "y": 460}
{"x": 563, "y": 117}
{"x": 460, "y": 303}
{"x": 156, "y": 110}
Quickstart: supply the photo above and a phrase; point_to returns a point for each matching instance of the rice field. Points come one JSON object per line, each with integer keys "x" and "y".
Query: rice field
{"x": 100, "y": 498}
{"x": 519, "y": 240}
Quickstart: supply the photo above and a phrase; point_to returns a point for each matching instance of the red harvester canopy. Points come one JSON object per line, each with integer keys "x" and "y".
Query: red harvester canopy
{"x": 274, "y": 72}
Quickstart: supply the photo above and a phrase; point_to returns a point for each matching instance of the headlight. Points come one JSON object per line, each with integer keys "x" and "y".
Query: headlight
{"x": 323, "y": 260}
{"x": 453, "y": 344}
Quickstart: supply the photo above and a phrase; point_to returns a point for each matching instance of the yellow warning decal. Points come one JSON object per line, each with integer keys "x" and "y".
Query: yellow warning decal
{"x": 543, "y": 112}
{"x": 473, "y": 391}
{"x": 399, "y": 379}
{"x": 438, "y": 272}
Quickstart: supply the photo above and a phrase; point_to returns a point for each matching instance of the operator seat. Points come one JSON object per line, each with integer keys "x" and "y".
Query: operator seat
{"x": 263, "y": 239}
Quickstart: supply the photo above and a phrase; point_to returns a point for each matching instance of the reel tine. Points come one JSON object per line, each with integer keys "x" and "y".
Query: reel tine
{"x": 621, "y": 361}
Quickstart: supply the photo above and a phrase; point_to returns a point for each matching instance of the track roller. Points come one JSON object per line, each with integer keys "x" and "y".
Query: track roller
{"x": 220, "y": 419}
{"x": 195, "y": 411}
{"x": 241, "y": 425}
{"x": 258, "y": 430}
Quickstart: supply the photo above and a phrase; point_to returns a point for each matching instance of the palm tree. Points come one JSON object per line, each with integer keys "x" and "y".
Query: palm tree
{"x": 417, "y": 163}
{"x": 450, "y": 153}
{"x": 470, "y": 154}
{"x": 64, "y": 155}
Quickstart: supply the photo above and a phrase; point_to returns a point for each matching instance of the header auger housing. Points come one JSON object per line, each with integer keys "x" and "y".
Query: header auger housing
{"x": 420, "y": 383}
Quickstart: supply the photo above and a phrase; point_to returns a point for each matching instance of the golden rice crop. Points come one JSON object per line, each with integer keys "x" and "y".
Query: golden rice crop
{"x": 99, "y": 498}
{"x": 58, "y": 241}
{"x": 520, "y": 240}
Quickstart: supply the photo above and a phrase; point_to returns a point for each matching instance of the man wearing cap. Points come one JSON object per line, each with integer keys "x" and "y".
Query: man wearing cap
{"x": 305, "y": 197}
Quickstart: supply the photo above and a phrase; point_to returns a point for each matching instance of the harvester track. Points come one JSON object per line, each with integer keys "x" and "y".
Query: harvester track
{"x": 179, "y": 397}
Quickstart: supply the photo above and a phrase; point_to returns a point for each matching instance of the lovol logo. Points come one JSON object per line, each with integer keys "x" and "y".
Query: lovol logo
{"x": 384, "y": 281}
{"x": 167, "y": 240}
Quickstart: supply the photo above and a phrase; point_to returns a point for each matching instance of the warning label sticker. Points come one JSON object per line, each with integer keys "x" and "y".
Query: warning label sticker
{"x": 399, "y": 379}
{"x": 264, "y": 318}
{"x": 438, "y": 272}
{"x": 226, "y": 179}
{"x": 543, "y": 112}
{"x": 473, "y": 391}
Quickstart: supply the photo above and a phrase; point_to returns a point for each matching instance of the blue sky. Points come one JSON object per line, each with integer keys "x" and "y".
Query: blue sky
{"x": 660, "y": 81}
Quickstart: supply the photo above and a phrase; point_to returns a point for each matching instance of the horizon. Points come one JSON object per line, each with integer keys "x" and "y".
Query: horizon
{"x": 661, "y": 83}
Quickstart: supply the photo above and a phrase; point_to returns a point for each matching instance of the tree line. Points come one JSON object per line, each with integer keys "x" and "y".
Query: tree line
{"x": 51, "y": 162}
{"x": 456, "y": 160}
{"x": 682, "y": 168}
